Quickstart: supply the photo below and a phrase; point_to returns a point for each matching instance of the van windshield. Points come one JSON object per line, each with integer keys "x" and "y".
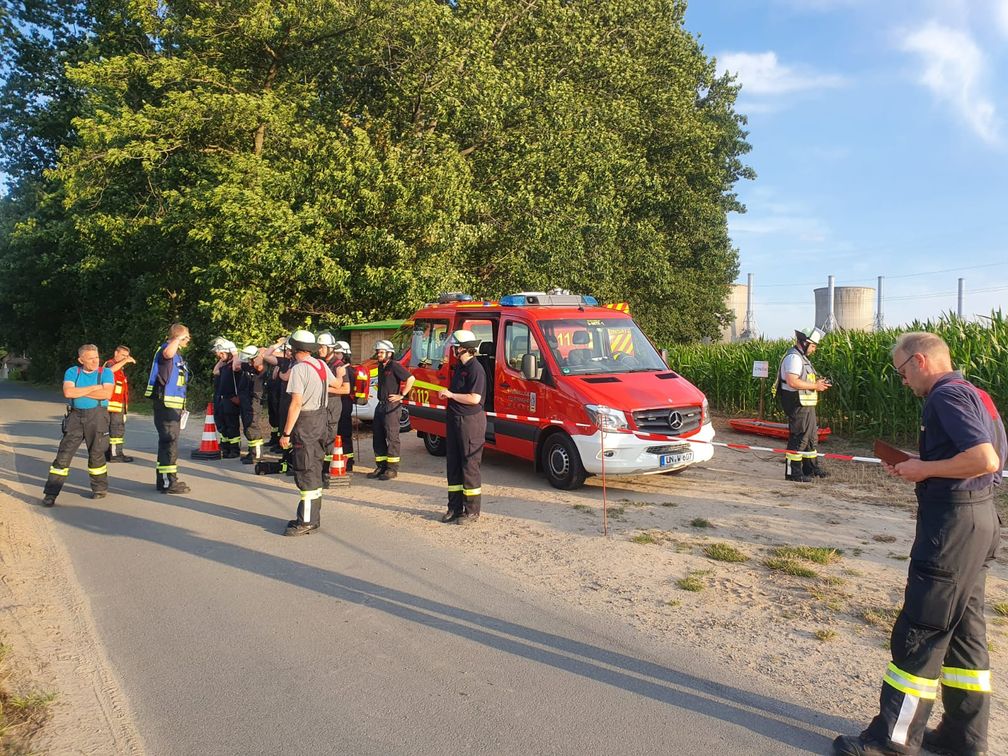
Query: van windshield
{"x": 592, "y": 346}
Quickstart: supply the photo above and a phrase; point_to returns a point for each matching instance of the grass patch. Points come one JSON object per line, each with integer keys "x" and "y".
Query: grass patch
{"x": 616, "y": 512}
{"x": 881, "y": 617}
{"x": 898, "y": 557}
{"x": 1001, "y": 608}
{"x": 21, "y": 716}
{"x": 673, "y": 603}
{"x": 691, "y": 582}
{"x": 817, "y": 554}
{"x": 582, "y": 508}
{"x": 632, "y": 503}
{"x": 825, "y": 635}
{"x": 789, "y": 567}
{"x": 724, "y": 552}
{"x": 700, "y": 522}
{"x": 884, "y": 538}
{"x": 645, "y": 538}
{"x": 670, "y": 504}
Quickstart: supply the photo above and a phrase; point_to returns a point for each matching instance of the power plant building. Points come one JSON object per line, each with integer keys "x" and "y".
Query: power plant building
{"x": 736, "y": 304}
{"x": 853, "y": 307}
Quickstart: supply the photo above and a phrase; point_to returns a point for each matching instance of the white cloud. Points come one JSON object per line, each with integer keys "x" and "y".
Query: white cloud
{"x": 763, "y": 75}
{"x": 1001, "y": 15}
{"x": 952, "y": 67}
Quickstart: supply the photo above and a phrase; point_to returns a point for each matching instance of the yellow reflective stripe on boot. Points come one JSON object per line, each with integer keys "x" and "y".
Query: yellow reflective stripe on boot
{"x": 472, "y": 491}
{"x": 920, "y": 687}
{"x": 793, "y": 456}
{"x": 966, "y": 679}
{"x": 64, "y": 471}
{"x": 167, "y": 468}
{"x": 392, "y": 460}
{"x": 453, "y": 489}
{"x": 116, "y": 440}
{"x": 327, "y": 458}
{"x": 313, "y": 494}
{"x": 349, "y": 456}
{"x": 255, "y": 442}
{"x": 810, "y": 454}
{"x": 380, "y": 459}
{"x": 98, "y": 470}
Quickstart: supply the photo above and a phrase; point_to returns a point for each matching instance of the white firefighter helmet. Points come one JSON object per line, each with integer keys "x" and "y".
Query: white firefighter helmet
{"x": 303, "y": 341}
{"x": 326, "y": 339}
{"x": 813, "y": 335}
{"x": 224, "y": 345}
{"x": 384, "y": 346}
{"x": 342, "y": 346}
{"x": 249, "y": 352}
{"x": 465, "y": 339}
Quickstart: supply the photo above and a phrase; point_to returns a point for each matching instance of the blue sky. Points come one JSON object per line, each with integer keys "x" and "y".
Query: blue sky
{"x": 879, "y": 131}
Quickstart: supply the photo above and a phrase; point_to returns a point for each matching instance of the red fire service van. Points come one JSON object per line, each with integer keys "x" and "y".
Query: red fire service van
{"x": 560, "y": 370}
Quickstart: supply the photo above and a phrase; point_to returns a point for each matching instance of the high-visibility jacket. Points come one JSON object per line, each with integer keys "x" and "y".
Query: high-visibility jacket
{"x": 178, "y": 377}
{"x": 120, "y": 392}
{"x": 806, "y": 397}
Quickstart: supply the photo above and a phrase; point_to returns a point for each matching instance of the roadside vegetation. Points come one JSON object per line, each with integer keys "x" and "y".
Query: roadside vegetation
{"x": 22, "y": 715}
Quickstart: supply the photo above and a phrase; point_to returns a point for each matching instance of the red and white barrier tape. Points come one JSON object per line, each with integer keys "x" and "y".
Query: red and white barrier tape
{"x": 662, "y": 437}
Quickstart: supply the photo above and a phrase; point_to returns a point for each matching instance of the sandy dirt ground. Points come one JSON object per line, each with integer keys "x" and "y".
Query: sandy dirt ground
{"x": 825, "y": 636}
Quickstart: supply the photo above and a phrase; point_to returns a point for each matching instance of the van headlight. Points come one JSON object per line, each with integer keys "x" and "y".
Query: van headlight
{"x": 607, "y": 418}
{"x": 704, "y": 412}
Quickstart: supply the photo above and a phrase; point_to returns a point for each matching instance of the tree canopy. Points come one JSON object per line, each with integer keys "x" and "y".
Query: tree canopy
{"x": 250, "y": 167}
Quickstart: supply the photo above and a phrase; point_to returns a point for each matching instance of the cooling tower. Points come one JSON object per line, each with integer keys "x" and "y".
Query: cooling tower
{"x": 853, "y": 307}
{"x": 736, "y": 304}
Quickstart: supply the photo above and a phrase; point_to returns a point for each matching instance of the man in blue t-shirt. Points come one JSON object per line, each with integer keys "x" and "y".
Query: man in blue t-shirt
{"x": 87, "y": 389}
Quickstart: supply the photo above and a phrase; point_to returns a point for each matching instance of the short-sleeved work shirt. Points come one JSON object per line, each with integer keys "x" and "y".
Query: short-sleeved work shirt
{"x": 955, "y": 419}
{"x": 469, "y": 378}
{"x": 389, "y": 378}
{"x": 80, "y": 378}
{"x": 306, "y": 380}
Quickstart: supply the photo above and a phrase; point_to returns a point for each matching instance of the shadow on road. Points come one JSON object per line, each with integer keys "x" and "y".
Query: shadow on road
{"x": 774, "y": 719}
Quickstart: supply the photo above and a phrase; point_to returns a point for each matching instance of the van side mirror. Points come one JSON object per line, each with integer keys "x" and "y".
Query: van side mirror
{"x": 530, "y": 367}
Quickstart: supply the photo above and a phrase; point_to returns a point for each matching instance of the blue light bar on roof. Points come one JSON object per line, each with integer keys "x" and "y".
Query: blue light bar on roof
{"x": 538, "y": 299}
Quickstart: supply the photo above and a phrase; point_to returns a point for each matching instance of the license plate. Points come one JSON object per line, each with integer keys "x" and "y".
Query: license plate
{"x": 668, "y": 460}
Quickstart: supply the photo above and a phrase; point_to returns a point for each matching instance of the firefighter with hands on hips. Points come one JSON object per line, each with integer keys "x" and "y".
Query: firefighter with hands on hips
{"x": 342, "y": 353}
{"x": 798, "y": 390}
{"x": 334, "y": 399}
{"x": 227, "y": 398}
{"x": 87, "y": 388}
{"x": 305, "y": 429}
{"x": 385, "y": 429}
{"x": 252, "y": 392}
{"x": 118, "y": 404}
{"x": 167, "y": 385}
{"x": 940, "y": 636}
{"x": 465, "y": 429}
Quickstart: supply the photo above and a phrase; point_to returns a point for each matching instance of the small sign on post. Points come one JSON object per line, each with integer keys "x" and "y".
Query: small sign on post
{"x": 761, "y": 370}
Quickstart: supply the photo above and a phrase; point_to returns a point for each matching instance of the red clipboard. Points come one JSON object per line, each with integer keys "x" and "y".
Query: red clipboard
{"x": 889, "y": 453}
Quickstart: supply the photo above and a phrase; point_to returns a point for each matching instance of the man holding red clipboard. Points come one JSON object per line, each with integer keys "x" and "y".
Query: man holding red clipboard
{"x": 940, "y": 636}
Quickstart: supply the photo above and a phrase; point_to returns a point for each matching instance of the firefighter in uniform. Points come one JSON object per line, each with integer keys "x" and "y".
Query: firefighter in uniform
{"x": 334, "y": 402}
{"x": 227, "y": 398}
{"x": 940, "y": 636}
{"x": 252, "y": 392}
{"x": 166, "y": 385}
{"x": 87, "y": 388}
{"x": 345, "y": 430}
{"x": 118, "y": 405}
{"x": 280, "y": 358}
{"x": 465, "y": 429}
{"x": 798, "y": 390}
{"x": 305, "y": 429}
{"x": 385, "y": 433}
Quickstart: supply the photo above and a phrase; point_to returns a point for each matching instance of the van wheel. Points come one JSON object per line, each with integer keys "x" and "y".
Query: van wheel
{"x": 435, "y": 445}
{"x": 404, "y": 420}
{"x": 560, "y": 460}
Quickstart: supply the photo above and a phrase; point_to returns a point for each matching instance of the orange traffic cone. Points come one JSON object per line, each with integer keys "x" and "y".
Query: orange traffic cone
{"x": 208, "y": 448}
{"x": 337, "y": 468}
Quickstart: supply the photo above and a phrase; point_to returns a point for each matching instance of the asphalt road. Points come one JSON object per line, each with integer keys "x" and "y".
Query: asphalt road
{"x": 230, "y": 639}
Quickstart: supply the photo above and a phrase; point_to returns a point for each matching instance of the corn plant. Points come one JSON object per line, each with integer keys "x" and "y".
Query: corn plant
{"x": 868, "y": 398}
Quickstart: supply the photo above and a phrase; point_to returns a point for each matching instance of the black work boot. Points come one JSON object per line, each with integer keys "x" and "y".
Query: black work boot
{"x": 176, "y": 487}
{"x": 378, "y": 471}
{"x": 48, "y": 501}
{"x": 811, "y": 469}
{"x": 942, "y": 742}
{"x": 861, "y": 745}
{"x": 392, "y": 471}
{"x": 793, "y": 472}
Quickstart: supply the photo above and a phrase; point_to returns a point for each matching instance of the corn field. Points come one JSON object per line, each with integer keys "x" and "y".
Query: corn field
{"x": 868, "y": 399}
